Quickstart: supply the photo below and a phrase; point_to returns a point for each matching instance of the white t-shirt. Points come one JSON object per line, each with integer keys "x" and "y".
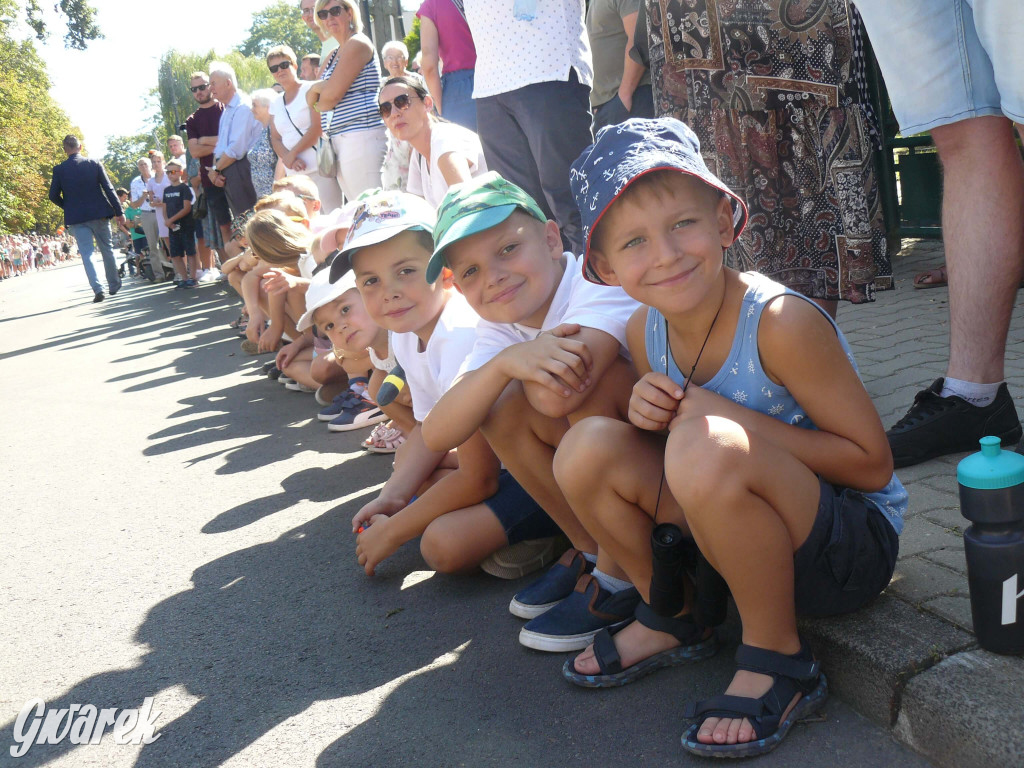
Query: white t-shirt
{"x": 511, "y": 53}
{"x": 430, "y": 372}
{"x": 602, "y": 307}
{"x": 389, "y": 362}
{"x": 426, "y": 180}
{"x": 292, "y": 122}
{"x": 157, "y": 188}
{"x": 138, "y": 186}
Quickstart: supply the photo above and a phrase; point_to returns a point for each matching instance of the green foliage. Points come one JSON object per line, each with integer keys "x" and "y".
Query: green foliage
{"x": 78, "y": 15}
{"x": 175, "y": 98}
{"x": 32, "y": 126}
{"x": 279, "y": 24}
{"x": 123, "y": 152}
{"x": 412, "y": 40}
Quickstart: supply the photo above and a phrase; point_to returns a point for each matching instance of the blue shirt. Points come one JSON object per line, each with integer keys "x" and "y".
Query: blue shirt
{"x": 744, "y": 381}
{"x": 239, "y": 130}
{"x": 80, "y": 186}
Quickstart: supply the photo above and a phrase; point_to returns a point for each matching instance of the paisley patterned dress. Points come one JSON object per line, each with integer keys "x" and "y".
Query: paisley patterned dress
{"x": 771, "y": 89}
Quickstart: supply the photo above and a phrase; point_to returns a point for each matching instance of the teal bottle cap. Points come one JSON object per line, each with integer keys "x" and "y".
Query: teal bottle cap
{"x": 991, "y": 468}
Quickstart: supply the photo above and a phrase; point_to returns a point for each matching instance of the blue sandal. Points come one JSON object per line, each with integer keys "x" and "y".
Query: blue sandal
{"x": 798, "y": 673}
{"x": 694, "y": 646}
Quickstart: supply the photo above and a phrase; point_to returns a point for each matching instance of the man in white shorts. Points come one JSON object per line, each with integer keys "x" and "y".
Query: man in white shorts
{"x": 956, "y": 68}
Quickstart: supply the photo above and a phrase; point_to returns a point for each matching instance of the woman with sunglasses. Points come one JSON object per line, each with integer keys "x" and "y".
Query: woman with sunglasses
{"x": 293, "y": 131}
{"x": 345, "y": 97}
{"x": 443, "y": 153}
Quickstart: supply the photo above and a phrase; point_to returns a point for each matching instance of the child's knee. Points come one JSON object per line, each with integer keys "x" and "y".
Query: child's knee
{"x": 440, "y": 550}
{"x": 586, "y": 452}
{"x": 704, "y": 461}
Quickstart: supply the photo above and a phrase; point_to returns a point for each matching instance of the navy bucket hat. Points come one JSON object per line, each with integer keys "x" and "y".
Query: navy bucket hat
{"x": 622, "y": 154}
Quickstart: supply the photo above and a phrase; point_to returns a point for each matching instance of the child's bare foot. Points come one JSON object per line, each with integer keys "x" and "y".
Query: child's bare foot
{"x": 634, "y": 643}
{"x": 716, "y": 730}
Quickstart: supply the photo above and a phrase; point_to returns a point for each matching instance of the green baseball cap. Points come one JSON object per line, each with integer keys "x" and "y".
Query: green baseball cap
{"x": 476, "y": 206}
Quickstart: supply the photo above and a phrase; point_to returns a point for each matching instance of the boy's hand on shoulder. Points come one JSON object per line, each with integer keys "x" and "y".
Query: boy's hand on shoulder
{"x": 654, "y": 402}
{"x": 552, "y": 360}
{"x": 375, "y": 544}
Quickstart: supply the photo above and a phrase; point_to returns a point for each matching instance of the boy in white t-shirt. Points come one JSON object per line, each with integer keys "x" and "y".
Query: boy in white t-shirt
{"x": 460, "y": 503}
{"x": 550, "y": 350}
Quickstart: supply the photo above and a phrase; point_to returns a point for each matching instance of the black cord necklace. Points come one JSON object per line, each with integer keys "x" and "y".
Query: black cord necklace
{"x": 668, "y": 354}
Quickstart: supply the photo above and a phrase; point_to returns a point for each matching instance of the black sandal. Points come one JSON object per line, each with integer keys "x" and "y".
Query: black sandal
{"x": 694, "y": 646}
{"x": 798, "y": 673}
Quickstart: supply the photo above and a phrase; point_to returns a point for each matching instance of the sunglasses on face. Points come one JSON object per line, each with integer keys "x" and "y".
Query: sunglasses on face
{"x": 283, "y": 65}
{"x": 324, "y": 13}
{"x": 197, "y": 88}
{"x": 401, "y": 103}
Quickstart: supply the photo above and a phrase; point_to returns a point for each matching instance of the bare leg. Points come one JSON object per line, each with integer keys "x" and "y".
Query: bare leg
{"x": 459, "y": 541}
{"x": 984, "y": 235}
{"x": 749, "y": 506}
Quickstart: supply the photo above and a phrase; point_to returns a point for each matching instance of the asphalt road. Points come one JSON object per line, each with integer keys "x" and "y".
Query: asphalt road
{"x": 175, "y": 526}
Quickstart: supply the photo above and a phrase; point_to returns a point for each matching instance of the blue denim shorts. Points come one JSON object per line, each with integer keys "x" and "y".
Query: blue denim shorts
{"x": 948, "y": 60}
{"x": 848, "y": 557}
{"x": 520, "y": 516}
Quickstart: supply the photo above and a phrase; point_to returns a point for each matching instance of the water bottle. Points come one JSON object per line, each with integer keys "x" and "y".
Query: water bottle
{"x": 992, "y": 498}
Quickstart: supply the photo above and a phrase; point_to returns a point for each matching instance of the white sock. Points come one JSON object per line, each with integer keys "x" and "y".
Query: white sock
{"x": 975, "y": 394}
{"x": 610, "y": 583}
{"x": 592, "y": 559}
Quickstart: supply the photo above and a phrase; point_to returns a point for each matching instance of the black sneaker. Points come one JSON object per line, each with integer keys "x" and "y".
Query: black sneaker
{"x": 936, "y": 425}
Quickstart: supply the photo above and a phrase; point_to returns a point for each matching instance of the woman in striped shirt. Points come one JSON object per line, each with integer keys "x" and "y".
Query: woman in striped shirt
{"x": 346, "y": 98}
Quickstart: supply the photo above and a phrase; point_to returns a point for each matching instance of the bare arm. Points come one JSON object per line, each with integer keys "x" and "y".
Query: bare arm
{"x": 603, "y": 349}
{"x": 351, "y": 60}
{"x": 197, "y": 148}
{"x": 632, "y": 71}
{"x": 800, "y": 349}
{"x": 454, "y": 167}
{"x": 430, "y": 60}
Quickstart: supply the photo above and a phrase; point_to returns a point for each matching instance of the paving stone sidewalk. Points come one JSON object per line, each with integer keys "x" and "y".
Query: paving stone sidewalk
{"x": 911, "y": 660}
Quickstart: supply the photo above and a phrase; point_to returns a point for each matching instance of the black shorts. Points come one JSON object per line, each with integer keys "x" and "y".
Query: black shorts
{"x": 138, "y": 244}
{"x": 182, "y": 242}
{"x": 847, "y": 559}
{"x": 520, "y": 516}
{"x": 217, "y": 202}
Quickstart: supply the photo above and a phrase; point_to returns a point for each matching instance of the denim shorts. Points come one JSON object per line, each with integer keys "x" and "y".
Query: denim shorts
{"x": 520, "y": 516}
{"x": 847, "y": 559}
{"x": 948, "y": 60}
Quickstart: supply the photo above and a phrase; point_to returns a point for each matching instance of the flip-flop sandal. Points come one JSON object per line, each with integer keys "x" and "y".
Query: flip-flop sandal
{"x": 931, "y": 278}
{"x": 798, "y": 673}
{"x": 694, "y": 647}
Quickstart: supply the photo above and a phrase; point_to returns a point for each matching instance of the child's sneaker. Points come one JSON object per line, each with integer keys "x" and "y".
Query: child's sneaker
{"x": 554, "y": 586}
{"x": 188, "y": 284}
{"x": 364, "y": 414}
{"x": 523, "y": 557}
{"x": 338, "y": 405}
{"x": 572, "y": 624}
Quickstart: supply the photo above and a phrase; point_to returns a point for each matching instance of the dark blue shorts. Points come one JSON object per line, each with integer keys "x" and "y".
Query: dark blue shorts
{"x": 847, "y": 559}
{"x": 520, "y": 516}
{"x": 182, "y": 242}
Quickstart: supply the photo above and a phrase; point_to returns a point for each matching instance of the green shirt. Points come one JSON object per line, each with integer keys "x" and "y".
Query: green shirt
{"x": 608, "y": 46}
{"x": 132, "y": 214}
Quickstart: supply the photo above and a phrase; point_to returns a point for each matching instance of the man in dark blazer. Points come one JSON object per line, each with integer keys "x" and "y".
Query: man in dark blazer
{"x": 80, "y": 186}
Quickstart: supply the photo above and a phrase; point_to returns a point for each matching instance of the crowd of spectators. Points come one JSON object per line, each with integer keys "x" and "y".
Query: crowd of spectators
{"x": 22, "y": 254}
{"x": 483, "y": 166}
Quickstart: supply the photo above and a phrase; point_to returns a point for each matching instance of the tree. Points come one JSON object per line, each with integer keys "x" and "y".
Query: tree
{"x": 32, "y": 125}
{"x": 123, "y": 153}
{"x": 175, "y": 98}
{"x": 79, "y": 16}
{"x": 279, "y": 24}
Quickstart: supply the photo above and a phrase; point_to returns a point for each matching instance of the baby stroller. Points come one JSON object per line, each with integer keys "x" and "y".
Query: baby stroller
{"x": 123, "y": 243}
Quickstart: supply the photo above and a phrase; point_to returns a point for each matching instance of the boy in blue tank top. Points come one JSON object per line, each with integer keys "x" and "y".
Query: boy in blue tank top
{"x": 750, "y": 431}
